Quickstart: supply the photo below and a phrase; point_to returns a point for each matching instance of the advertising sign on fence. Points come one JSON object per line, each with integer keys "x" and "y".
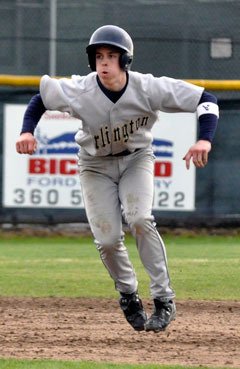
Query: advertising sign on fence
{"x": 49, "y": 178}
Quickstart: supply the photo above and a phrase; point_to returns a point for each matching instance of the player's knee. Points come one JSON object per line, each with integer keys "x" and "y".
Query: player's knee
{"x": 105, "y": 234}
{"x": 108, "y": 246}
{"x": 140, "y": 225}
{"x": 107, "y": 240}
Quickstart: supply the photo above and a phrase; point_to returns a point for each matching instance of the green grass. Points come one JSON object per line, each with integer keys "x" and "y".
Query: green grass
{"x": 205, "y": 267}
{"x": 51, "y": 267}
{"x": 49, "y": 364}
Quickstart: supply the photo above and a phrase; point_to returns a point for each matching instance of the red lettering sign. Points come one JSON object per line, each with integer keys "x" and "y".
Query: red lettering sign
{"x": 163, "y": 169}
{"x": 52, "y": 166}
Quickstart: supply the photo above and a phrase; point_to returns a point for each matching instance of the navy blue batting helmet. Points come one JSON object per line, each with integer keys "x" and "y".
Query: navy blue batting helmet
{"x": 111, "y": 36}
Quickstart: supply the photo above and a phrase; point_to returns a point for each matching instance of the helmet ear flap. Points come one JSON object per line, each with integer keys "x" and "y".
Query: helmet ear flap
{"x": 92, "y": 61}
{"x": 125, "y": 61}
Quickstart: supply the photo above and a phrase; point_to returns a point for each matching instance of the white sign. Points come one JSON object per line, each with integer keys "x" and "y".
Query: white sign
{"x": 174, "y": 134}
{"x": 49, "y": 178}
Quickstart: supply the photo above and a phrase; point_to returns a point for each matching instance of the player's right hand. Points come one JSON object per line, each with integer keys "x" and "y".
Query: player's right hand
{"x": 26, "y": 144}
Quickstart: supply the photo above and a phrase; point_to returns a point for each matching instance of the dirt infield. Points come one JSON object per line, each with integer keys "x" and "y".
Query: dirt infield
{"x": 204, "y": 333}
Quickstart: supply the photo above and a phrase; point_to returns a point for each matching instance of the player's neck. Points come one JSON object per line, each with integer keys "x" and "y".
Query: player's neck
{"x": 114, "y": 96}
{"x": 115, "y": 84}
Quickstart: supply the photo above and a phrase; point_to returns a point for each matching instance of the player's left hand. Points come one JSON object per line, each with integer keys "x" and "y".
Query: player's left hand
{"x": 198, "y": 153}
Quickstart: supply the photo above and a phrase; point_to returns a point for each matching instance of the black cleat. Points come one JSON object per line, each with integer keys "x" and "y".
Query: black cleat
{"x": 132, "y": 308}
{"x": 164, "y": 313}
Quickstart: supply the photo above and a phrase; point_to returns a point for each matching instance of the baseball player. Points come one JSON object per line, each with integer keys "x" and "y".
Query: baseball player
{"x": 118, "y": 108}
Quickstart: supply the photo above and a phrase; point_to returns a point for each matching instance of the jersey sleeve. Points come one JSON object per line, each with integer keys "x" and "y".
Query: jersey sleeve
{"x": 33, "y": 113}
{"x": 56, "y": 94}
{"x": 173, "y": 95}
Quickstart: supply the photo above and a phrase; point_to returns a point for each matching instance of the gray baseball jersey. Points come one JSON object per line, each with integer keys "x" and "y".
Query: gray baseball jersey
{"x": 109, "y": 128}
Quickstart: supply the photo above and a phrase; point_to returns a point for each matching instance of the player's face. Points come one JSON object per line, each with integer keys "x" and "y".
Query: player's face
{"x": 107, "y": 65}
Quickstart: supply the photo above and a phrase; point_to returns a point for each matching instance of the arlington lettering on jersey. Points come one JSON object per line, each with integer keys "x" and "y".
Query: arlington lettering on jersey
{"x": 119, "y": 133}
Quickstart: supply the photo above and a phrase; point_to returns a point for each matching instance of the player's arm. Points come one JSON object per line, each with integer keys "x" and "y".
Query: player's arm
{"x": 26, "y": 143}
{"x": 208, "y": 114}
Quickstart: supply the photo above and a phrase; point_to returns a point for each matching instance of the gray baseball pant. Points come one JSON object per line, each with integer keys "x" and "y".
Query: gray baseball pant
{"x": 116, "y": 186}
